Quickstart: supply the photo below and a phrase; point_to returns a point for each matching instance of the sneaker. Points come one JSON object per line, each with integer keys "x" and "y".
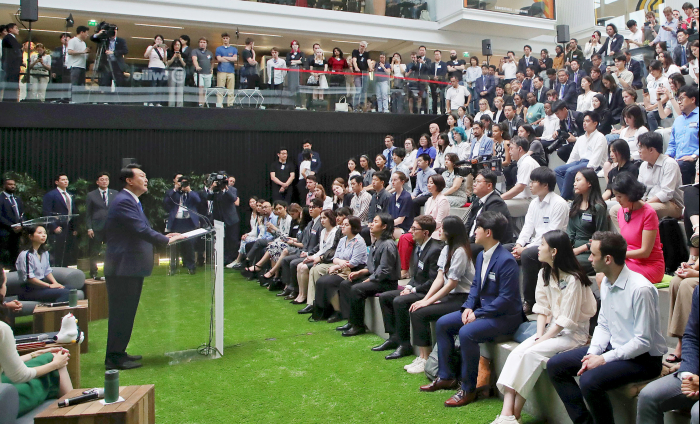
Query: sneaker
{"x": 601, "y": 173}
{"x": 233, "y": 264}
{"x": 406, "y": 367}
{"x": 418, "y": 367}
{"x": 508, "y": 420}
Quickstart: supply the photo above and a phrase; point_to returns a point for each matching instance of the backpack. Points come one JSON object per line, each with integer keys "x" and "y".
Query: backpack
{"x": 673, "y": 244}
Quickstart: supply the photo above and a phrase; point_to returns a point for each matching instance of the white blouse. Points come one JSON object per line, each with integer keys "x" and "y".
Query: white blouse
{"x": 410, "y": 158}
{"x": 10, "y": 362}
{"x": 567, "y": 302}
{"x": 461, "y": 269}
{"x": 631, "y": 140}
{"x": 584, "y": 101}
{"x": 153, "y": 60}
{"x": 326, "y": 243}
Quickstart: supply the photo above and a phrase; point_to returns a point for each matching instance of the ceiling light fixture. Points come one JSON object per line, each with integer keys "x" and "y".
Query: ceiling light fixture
{"x": 264, "y": 35}
{"x": 160, "y": 26}
{"x": 347, "y": 42}
{"x": 150, "y": 39}
{"x": 42, "y": 30}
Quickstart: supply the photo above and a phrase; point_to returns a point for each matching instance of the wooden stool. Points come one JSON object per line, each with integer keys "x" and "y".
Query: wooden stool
{"x": 73, "y": 363}
{"x": 138, "y": 408}
{"x": 47, "y": 320}
{"x": 96, "y": 294}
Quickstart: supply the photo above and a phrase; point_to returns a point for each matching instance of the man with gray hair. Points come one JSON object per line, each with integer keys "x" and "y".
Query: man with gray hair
{"x": 360, "y": 64}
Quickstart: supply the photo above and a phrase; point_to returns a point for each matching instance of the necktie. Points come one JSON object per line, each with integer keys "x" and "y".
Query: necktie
{"x": 67, "y": 200}
{"x": 684, "y": 58}
{"x": 532, "y": 86}
{"x": 13, "y": 202}
{"x": 418, "y": 252}
{"x": 104, "y": 197}
{"x": 561, "y": 92}
{"x": 576, "y": 77}
{"x": 141, "y": 206}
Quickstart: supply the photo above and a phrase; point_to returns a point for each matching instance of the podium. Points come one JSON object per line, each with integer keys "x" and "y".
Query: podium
{"x": 207, "y": 295}
{"x": 61, "y": 244}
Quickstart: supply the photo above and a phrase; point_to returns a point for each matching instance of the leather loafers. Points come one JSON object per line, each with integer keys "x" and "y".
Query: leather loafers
{"x": 400, "y": 352}
{"x": 284, "y": 293}
{"x": 336, "y": 317}
{"x": 291, "y": 296}
{"x": 354, "y": 330}
{"x": 439, "y": 384}
{"x": 307, "y": 310}
{"x": 527, "y": 308}
{"x": 133, "y": 357}
{"x": 344, "y": 327}
{"x": 125, "y": 365}
{"x": 387, "y": 345}
{"x": 461, "y": 398}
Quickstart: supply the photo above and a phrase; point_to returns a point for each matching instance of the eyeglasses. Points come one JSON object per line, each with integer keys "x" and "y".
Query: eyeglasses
{"x": 414, "y": 228}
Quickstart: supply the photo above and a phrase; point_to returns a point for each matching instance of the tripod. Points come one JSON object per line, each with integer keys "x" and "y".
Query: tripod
{"x": 97, "y": 66}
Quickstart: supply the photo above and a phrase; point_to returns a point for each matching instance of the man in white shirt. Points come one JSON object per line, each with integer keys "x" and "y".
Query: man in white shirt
{"x": 550, "y": 123}
{"x": 655, "y": 80}
{"x": 76, "y": 59}
{"x": 627, "y": 344}
{"x": 547, "y": 212}
{"x": 509, "y": 68}
{"x": 590, "y": 151}
{"x": 518, "y": 198}
{"x": 662, "y": 176}
{"x": 457, "y": 95}
{"x": 276, "y": 78}
{"x": 636, "y": 40}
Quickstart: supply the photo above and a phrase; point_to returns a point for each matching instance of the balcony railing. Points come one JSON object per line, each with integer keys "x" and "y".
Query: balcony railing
{"x": 409, "y": 9}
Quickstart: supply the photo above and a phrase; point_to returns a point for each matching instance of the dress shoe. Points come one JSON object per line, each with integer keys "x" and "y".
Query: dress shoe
{"x": 527, "y": 308}
{"x": 274, "y": 286}
{"x": 291, "y": 296}
{"x": 125, "y": 365}
{"x": 264, "y": 283}
{"x": 400, "y": 352}
{"x": 344, "y": 327}
{"x": 192, "y": 271}
{"x": 307, "y": 310}
{"x": 284, "y": 293}
{"x": 298, "y": 302}
{"x": 461, "y": 398}
{"x": 387, "y": 345}
{"x": 439, "y": 384}
{"x": 355, "y": 330}
{"x": 336, "y": 317}
{"x": 134, "y": 357}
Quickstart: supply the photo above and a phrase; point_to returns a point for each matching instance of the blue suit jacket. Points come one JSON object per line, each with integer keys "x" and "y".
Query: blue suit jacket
{"x": 7, "y": 214}
{"x": 485, "y": 83}
{"x": 690, "y": 339}
{"x": 315, "y": 161}
{"x": 54, "y": 204}
{"x": 617, "y": 41}
{"x": 500, "y": 295}
{"x": 485, "y": 148}
{"x": 636, "y": 68}
{"x": 130, "y": 239}
{"x": 171, "y": 203}
{"x": 570, "y": 96}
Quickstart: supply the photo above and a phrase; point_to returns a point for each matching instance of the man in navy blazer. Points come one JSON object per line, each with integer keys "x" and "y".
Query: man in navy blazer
{"x": 62, "y": 233}
{"x": 484, "y": 87}
{"x": 129, "y": 258}
{"x": 526, "y": 61}
{"x": 181, "y": 220}
{"x": 635, "y": 67}
{"x": 492, "y": 309}
{"x": 613, "y": 44}
{"x": 567, "y": 90}
{"x": 96, "y": 206}
{"x": 11, "y": 212}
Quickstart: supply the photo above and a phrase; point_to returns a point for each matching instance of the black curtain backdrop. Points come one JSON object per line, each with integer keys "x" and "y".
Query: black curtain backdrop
{"x": 81, "y": 140}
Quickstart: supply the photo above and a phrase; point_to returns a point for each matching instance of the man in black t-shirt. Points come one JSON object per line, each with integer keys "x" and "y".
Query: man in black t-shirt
{"x": 250, "y": 71}
{"x": 359, "y": 64}
{"x": 282, "y": 176}
{"x": 455, "y": 67}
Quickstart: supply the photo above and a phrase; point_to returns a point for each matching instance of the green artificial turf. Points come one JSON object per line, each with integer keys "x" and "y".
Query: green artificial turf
{"x": 277, "y": 367}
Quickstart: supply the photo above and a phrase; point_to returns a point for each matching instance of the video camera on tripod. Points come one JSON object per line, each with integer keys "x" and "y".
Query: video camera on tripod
{"x": 472, "y": 167}
{"x": 219, "y": 180}
{"x": 108, "y": 31}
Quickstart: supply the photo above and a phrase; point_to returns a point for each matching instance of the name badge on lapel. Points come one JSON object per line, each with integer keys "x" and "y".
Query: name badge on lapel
{"x": 398, "y": 205}
{"x": 313, "y": 232}
{"x": 282, "y": 167}
{"x": 587, "y": 217}
{"x": 492, "y": 276}
{"x": 545, "y": 220}
{"x": 379, "y": 207}
{"x": 420, "y": 264}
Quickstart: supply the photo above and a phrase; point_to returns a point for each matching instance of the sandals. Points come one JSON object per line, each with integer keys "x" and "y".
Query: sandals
{"x": 673, "y": 359}
{"x": 253, "y": 268}
{"x": 268, "y": 275}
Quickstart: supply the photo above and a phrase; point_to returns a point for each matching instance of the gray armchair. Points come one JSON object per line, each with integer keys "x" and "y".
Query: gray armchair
{"x": 69, "y": 277}
{"x": 9, "y": 405}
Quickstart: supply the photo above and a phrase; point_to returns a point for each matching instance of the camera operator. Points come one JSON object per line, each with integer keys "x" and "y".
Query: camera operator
{"x": 112, "y": 64}
{"x": 39, "y": 68}
{"x": 179, "y": 201}
{"x": 224, "y": 200}
{"x": 570, "y": 127}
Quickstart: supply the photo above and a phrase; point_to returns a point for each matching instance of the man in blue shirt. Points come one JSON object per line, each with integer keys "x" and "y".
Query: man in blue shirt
{"x": 226, "y": 55}
{"x": 627, "y": 345}
{"x": 683, "y": 144}
{"x": 420, "y": 193}
{"x": 389, "y": 151}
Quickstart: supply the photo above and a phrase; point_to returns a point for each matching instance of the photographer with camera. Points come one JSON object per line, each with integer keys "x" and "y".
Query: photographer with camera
{"x": 570, "y": 127}
{"x": 179, "y": 201}
{"x": 224, "y": 198}
{"x": 39, "y": 69}
{"x": 157, "y": 57}
{"x": 111, "y": 61}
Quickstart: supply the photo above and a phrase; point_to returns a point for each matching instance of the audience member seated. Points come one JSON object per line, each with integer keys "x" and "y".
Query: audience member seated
{"x": 382, "y": 274}
{"x": 583, "y": 104}
{"x": 455, "y": 185}
{"x": 367, "y": 172}
{"x": 620, "y": 156}
{"x": 282, "y": 247}
{"x": 571, "y": 124}
{"x": 254, "y": 242}
{"x": 461, "y": 146}
{"x": 547, "y": 212}
{"x": 493, "y": 308}
{"x": 34, "y": 269}
{"x": 438, "y": 207}
{"x": 327, "y": 241}
{"x": 512, "y": 119}
{"x": 670, "y": 99}
{"x": 401, "y": 204}
{"x": 589, "y": 151}
{"x": 291, "y": 218}
{"x": 488, "y": 200}
{"x": 501, "y": 151}
{"x": 278, "y": 231}
{"x": 629, "y": 98}
{"x": 601, "y": 107}
{"x": 289, "y": 263}
{"x": 424, "y": 146}
{"x": 37, "y": 376}
{"x": 518, "y": 198}
{"x": 446, "y": 294}
{"x": 359, "y": 204}
{"x": 655, "y": 80}
{"x": 536, "y": 150}
{"x": 381, "y": 199}
{"x": 683, "y": 143}
{"x": 420, "y": 192}
{"x": 350, "y": 255}
{"x": 690, "y": 215}
{"x": 678, "y": 390}
{"x": 565, "y": 305}
{"x": 634, "y": 127}
{"x": 613, "y": 97}
{"x": 341, "y": 197}
{"x": 549, "y": 124}
{"x": 395, "y": 304}
{"x": 567, "y": 90}
{"x": 398, "y": 156}
{"x": 627, "y": 343}
{"x": 661, "y": 177}
{"x": 680, "y": 293}
{"x": 588, "y": 215}
{"x": 639, "y": 225}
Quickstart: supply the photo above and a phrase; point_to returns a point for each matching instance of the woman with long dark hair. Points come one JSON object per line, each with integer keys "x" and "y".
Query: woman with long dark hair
{"x": 352, "y": 168}
{"x": 326, "y": 241}
{"x": 620, "y": 154}
{"x": 600, "y": 106}
{"x": 157, "y": 55}
{"x": 583, "y": 104}
{"x": 455, "y": 184}
{"x": 443, "y": 148}
{"x": 613, "y": 95}
{"x": 367, "y": 172}
{"x": 37, "y": 376}
{"x": 449, "y": 290}
{"x": 281, "y": 246}
{"x": 176, "y": 74}
{"x": 564, "y": 307}
{"x": 588, "y": 214}
{"x": 34, "y": 269}
{"x": 382, "y": 274}
{"x": 424, "y": 146}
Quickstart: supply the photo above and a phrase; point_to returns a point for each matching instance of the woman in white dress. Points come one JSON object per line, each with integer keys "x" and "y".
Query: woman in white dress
{"x": 564, "y": 306}
{"x": 584, "y": 100}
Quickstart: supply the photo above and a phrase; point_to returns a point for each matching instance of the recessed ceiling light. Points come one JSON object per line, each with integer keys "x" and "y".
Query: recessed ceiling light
{"x": 42, "y": 30}
{"x": 348, "y": 42}
{"x": 160, "y": 26}
{"x": 150, "y": 39}
{"x": 254, "y": 33}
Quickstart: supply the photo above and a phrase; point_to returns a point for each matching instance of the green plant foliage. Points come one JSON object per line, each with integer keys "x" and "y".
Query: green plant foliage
{"x": 79, "y": 189}
{"x": 29, "y": 191}
{"x": 153, "y": 202}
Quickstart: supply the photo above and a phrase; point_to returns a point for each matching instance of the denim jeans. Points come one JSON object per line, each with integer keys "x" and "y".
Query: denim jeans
{"x": 360, "y": 90}
{"x": 660, "y": 396}
{"x": 565, "y": 177}
{"x": 382, "y": 89}
{"x": 653, "y": 119}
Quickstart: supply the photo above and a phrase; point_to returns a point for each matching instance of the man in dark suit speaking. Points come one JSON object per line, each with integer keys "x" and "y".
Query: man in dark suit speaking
{"x": 128, "y": 260}
{"x": 97, "y": 204}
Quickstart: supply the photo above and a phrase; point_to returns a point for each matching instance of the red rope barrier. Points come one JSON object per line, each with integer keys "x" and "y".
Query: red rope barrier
{"x": 359, "y": 74}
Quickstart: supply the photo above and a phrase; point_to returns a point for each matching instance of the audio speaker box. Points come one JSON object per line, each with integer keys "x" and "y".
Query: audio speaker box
{"x": 563, "y": 34}
{"x": 29, "y": 10}
{"x": 486, "y": 47}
